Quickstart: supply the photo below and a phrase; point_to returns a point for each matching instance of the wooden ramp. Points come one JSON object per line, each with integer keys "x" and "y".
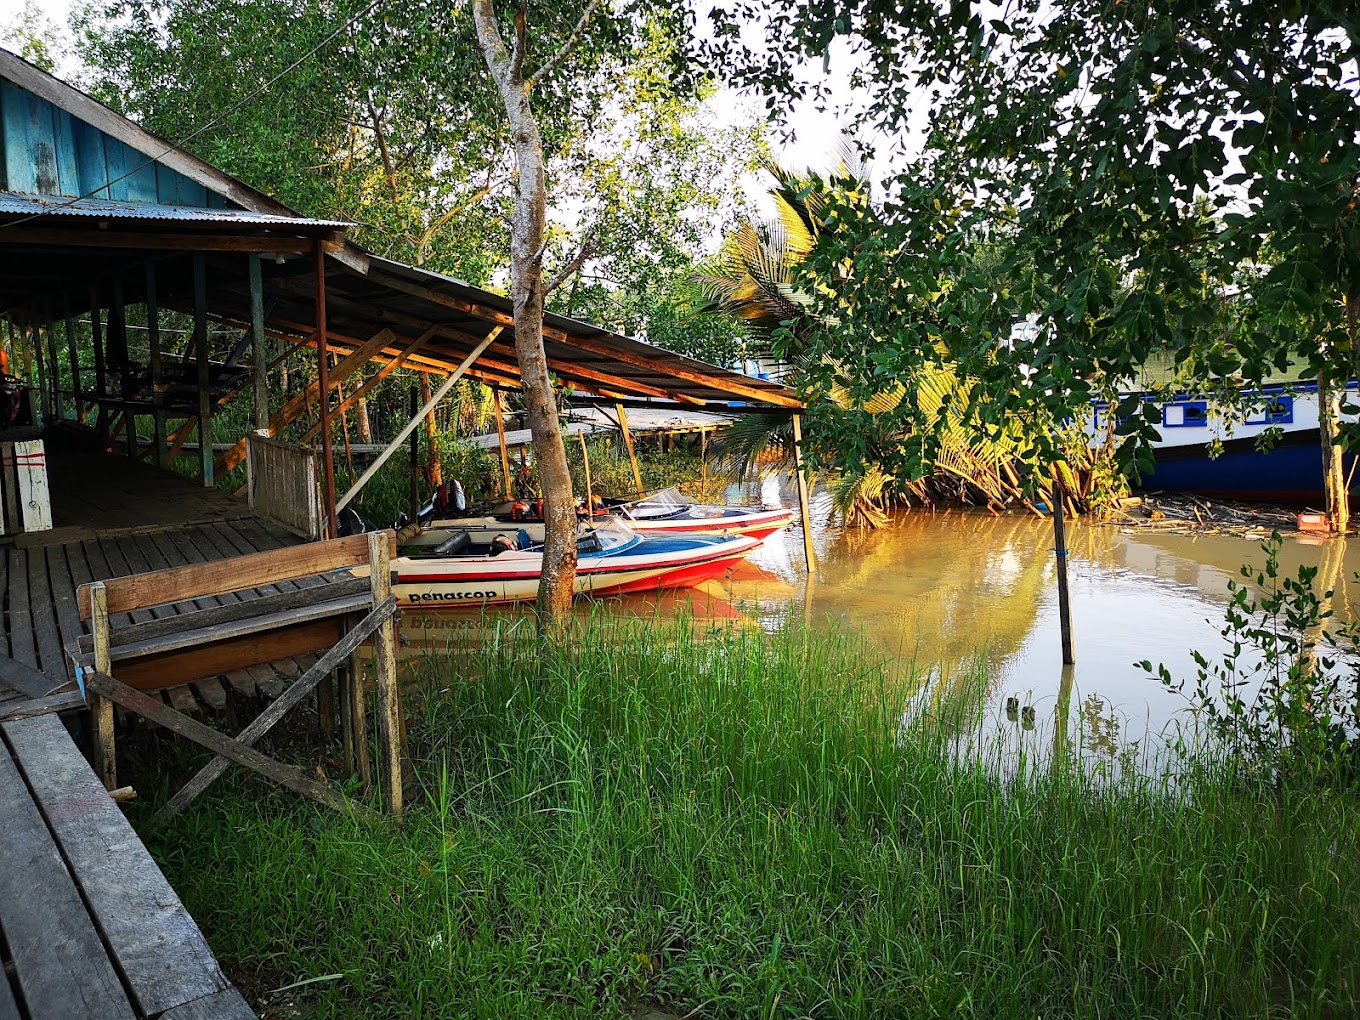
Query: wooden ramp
{"x": 91, "y": 927}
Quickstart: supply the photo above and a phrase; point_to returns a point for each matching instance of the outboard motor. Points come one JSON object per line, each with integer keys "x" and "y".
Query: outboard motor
{"x": 447, "y": 500}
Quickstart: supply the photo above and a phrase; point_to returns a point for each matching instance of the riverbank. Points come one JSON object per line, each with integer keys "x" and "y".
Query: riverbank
{"x": 740, "y": 825}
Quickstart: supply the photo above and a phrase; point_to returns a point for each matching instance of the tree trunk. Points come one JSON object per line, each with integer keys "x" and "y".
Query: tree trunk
{"x": 1333, "y": 464}
{"x": 558, "y": 581}
{"x": 434, "y": 471}
{"x": 361, "y": 422}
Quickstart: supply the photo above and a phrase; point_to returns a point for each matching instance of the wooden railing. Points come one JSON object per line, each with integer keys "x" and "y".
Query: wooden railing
{"x": 163, "y": 652}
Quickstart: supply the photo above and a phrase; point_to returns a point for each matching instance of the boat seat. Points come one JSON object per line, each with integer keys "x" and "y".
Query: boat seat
{"x": 522, "y": 539}
{"x": 453, "y": 545}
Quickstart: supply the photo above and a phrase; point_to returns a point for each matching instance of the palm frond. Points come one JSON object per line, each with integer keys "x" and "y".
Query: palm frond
{"x": 752, "y": 444}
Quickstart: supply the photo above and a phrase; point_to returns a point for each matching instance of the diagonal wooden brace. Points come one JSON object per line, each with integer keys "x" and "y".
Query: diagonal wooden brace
{"x": 153, "y": 709}
{"x": 298, "y": 690}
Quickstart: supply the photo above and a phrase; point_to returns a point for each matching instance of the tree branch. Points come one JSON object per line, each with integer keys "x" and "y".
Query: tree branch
{"x": 588, "y": 247}
{"x": 572, "y": 41}
{"x": 521, "y": 36}
{"x": 378, "y": 132}
{"x": 497, "y": 58}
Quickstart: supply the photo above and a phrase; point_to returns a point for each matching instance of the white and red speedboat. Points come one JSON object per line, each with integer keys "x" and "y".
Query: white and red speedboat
{"x": 667, "y": 512}
{"x": 455, "y": 566}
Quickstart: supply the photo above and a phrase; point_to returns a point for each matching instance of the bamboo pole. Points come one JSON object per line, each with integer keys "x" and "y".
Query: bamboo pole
{"x": 803, "y": 492}
{"x": 157, "y": 367}
{"x": 585, "y": 460}
{"x": 415, "y": 457}
{"x": 434, "y": 472}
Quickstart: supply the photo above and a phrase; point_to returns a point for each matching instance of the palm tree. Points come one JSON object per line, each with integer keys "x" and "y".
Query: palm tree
{"x": 754, "y": 279}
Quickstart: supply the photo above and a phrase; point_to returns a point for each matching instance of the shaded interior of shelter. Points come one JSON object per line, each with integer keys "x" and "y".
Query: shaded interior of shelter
{"x": 113, "y": 517}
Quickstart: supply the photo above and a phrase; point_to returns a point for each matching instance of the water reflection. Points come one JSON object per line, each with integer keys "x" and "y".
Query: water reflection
{"x": 940, "y": 591}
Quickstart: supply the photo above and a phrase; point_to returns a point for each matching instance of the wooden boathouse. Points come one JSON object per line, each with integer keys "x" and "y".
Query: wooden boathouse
{"x": 147, "y": 299}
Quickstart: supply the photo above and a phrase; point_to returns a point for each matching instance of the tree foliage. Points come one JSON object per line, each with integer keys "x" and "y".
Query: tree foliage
{"x": 394, "y": 126}
{"x": 1126, "y": 159}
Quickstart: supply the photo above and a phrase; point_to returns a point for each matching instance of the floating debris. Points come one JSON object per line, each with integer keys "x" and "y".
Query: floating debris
{"x": 1180, "y": 513}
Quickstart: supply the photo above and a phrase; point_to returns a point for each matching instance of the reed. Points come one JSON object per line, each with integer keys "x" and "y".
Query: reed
{"x": 734, "y": 824}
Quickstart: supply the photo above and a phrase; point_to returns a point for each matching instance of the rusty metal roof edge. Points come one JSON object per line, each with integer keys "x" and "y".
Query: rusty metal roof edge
{"x": 466, "y": 291}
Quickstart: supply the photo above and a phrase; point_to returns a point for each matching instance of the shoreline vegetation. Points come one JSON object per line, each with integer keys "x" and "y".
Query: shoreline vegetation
{"x": 726, "y": 824}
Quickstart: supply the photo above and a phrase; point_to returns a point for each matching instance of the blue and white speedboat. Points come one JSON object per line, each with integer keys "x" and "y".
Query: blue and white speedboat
{"x": 1282, "y": 467}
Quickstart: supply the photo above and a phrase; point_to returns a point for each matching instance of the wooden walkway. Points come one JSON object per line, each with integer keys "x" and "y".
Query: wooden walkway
{"x": 38, "y": 587}
{"x": 91, "y": 927}
{"x": 114, "y": 517}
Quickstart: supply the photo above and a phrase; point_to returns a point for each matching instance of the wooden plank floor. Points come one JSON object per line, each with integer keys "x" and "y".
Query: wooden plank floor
{"x": 113, "y": 518}
{"x": 91, "y": 927}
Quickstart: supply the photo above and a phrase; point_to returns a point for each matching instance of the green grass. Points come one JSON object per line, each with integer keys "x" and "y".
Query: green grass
{"x": 736, "y": 825}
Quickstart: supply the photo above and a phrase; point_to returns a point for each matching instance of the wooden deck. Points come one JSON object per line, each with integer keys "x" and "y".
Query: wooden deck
{"x": 113, "y": 518}
{"x": 91, "y": 927}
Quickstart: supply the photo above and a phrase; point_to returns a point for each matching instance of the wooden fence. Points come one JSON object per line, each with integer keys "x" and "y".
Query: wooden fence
{"x": 282, "y": 484}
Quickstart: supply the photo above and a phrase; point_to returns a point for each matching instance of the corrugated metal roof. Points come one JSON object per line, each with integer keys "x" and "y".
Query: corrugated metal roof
{"x": 16, "y": 205}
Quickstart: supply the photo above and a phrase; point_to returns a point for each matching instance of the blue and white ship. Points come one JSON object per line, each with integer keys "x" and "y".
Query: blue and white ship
{"x": 1271, "y": 452}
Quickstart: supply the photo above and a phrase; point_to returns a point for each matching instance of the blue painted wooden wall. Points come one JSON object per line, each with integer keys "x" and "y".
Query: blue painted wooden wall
{"x": 48, "y": 152}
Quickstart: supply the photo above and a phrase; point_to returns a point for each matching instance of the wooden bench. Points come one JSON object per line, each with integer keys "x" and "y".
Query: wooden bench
{"x": 91, "y": 927}
{"x": 157, "y": 653}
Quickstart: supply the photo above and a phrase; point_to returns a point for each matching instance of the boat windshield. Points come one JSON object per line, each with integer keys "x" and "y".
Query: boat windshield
{"x": 605, "y": 535}
{"x": 669, "y": 497}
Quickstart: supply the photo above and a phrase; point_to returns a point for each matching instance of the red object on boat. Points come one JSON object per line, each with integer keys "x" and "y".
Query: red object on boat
{"x": 1313, "y": 522}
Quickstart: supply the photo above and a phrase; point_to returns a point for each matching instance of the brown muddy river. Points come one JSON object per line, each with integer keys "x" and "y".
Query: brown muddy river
{"x": 938, "y": 591}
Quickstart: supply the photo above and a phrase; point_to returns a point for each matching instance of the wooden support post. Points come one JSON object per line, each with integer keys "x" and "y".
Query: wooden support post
{"x": 259, "y": 359}
{"x": 385, "y": 675}
{"x": 54, "y": 364}
{"x": 101, "y": 388}
{"x": 325, "y": 707}
{"x": 101, "y": 708}
{"x": 585, "y": 463}
{"x": 324, "y": 392}
{"x": 414, "y": 473}
{"x": 118, "y": 324}
{"x": 354, "y": 677}
{"x": 205, "y": 450}
{"x": 1060, "y": 551}
{"x": 803, "y": 492}
{"x": 44, "y": 391}
{"x": 345, "y": 691}
{"x": 500, "y": 435}
{"x": 157, "y": 367}
{"x": 73, "y": 355}
{"x": 392, "y": 447}
{"x": 628, "y": 445}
